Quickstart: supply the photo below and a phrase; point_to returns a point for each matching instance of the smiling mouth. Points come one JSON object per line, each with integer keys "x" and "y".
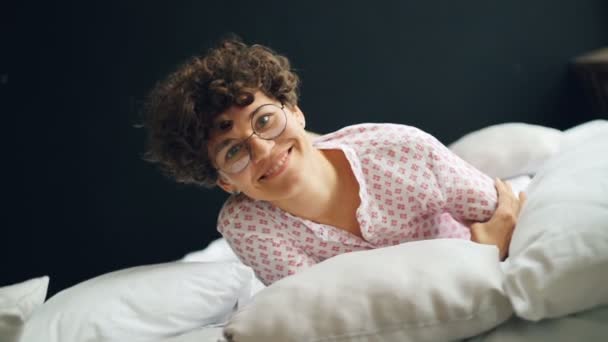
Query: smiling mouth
{"x": 278, "y": 167}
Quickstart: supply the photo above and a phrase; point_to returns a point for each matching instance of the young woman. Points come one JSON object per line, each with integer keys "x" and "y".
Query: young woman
{"x": 230, "y": 118}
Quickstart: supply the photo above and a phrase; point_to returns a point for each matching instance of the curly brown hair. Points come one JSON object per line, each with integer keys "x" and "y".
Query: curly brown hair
{"x": 180, "y": 110}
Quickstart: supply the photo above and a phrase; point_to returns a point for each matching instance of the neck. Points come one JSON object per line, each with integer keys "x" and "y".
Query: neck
{"x": 322, "y": 187}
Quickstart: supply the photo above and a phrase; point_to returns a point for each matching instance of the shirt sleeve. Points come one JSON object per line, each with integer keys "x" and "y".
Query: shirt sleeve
{"x": 258, "y": 246}
{"x": 462, "y": 190}
{"x": 440, "y": 181}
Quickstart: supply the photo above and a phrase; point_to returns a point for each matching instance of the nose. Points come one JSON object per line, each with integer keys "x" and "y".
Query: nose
{"x": 260, "y": 148}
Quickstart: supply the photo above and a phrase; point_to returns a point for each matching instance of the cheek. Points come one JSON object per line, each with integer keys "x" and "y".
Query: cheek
{"x": 239, "y": 181}
{"x": 245, "y": 179}
{"x": 294, "y": 131}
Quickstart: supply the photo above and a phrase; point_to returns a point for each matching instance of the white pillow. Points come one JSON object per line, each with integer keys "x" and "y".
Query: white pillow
{"x": 17, "y": 302}
{"x": 220, "y": 250}
{"x": 578, "y": 134}
{"x": 140, "y": 304}
{"x": 509, "y": 149}
{"x": 433, "y": 290}
{"x": 558, "y": 261}
{"x": 217, "y": 250}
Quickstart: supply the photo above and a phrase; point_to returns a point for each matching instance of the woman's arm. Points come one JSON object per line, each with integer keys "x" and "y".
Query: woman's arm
{"x": 499, "y": 229}
{"x": 469, "y": 195}
{"x": 452, "y": 184}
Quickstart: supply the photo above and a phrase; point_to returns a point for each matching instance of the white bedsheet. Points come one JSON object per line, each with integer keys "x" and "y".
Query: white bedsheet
{"x": 588, "y": 326}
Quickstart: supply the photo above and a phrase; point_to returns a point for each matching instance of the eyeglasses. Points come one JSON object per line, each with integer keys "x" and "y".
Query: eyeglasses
{"x": 267, "y": 122}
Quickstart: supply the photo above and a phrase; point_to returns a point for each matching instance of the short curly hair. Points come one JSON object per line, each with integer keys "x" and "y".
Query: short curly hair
{"x": 179, "y": 111}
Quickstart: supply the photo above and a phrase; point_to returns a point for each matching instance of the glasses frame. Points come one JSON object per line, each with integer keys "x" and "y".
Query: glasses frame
{"x": 253, "y": 132}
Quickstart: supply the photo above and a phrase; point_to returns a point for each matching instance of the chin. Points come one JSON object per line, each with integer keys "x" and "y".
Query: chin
{"x": 287, "y": 187}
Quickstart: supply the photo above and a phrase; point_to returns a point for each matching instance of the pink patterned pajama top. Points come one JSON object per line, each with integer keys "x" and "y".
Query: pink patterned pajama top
{"x": 411, "y": 188}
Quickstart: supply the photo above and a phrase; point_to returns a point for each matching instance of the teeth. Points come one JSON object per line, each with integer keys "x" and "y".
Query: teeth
{"x": 277, "y": 166}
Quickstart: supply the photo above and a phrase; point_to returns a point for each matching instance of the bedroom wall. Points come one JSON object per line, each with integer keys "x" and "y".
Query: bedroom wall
{"x": 81, "y": 202}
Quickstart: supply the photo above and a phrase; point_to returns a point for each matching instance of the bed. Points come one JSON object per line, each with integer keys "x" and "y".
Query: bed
{"x": 552, "y": 287}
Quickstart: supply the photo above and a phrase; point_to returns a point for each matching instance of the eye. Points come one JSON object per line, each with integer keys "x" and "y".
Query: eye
{"x": 263, "y": 120}
{"x": 233, "y": 151}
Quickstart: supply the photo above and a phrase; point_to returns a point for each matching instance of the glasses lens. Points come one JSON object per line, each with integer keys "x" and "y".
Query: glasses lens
{"x": 233, "y": 158}
{"x": 269, "y": 121}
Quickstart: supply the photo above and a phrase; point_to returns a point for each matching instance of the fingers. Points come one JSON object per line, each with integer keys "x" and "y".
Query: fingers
{"x": 503, "y": 187}
{"x": 508, "y": 203}
{"x": 522, "y": 197}
{"x": 499, "y": 229}
{"x": 505, "y": 194}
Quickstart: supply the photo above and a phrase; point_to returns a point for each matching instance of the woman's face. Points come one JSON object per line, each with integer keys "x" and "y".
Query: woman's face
{"x": 276, "y": 166}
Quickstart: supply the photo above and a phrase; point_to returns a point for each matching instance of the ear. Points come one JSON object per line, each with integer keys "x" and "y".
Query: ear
{"x": 225, "y": 184}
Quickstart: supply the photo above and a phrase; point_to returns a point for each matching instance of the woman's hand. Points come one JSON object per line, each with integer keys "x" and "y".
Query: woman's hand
{"x": 499, "y": 229}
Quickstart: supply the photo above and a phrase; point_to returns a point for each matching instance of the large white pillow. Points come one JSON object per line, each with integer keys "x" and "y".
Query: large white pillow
{"x": 217, "y": 250}
{"x": 17, "y": 302}
{"x": 509, "y": 149}
{"x": 579, "y": 133}
{"x": 434, "y": 290}
{"x": 558, "y": 261}
{"x": 220, "y": 250}
{"x": 141, "y": 303}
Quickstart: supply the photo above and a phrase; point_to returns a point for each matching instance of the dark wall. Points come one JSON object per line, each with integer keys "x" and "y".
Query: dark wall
{"x": 79, "y": 201}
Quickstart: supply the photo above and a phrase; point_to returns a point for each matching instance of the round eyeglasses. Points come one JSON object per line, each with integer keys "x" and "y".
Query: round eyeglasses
{"x": 267, "y": 122}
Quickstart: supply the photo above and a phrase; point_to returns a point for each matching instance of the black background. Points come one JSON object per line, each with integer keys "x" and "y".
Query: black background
{"x": 78, "y": 199}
